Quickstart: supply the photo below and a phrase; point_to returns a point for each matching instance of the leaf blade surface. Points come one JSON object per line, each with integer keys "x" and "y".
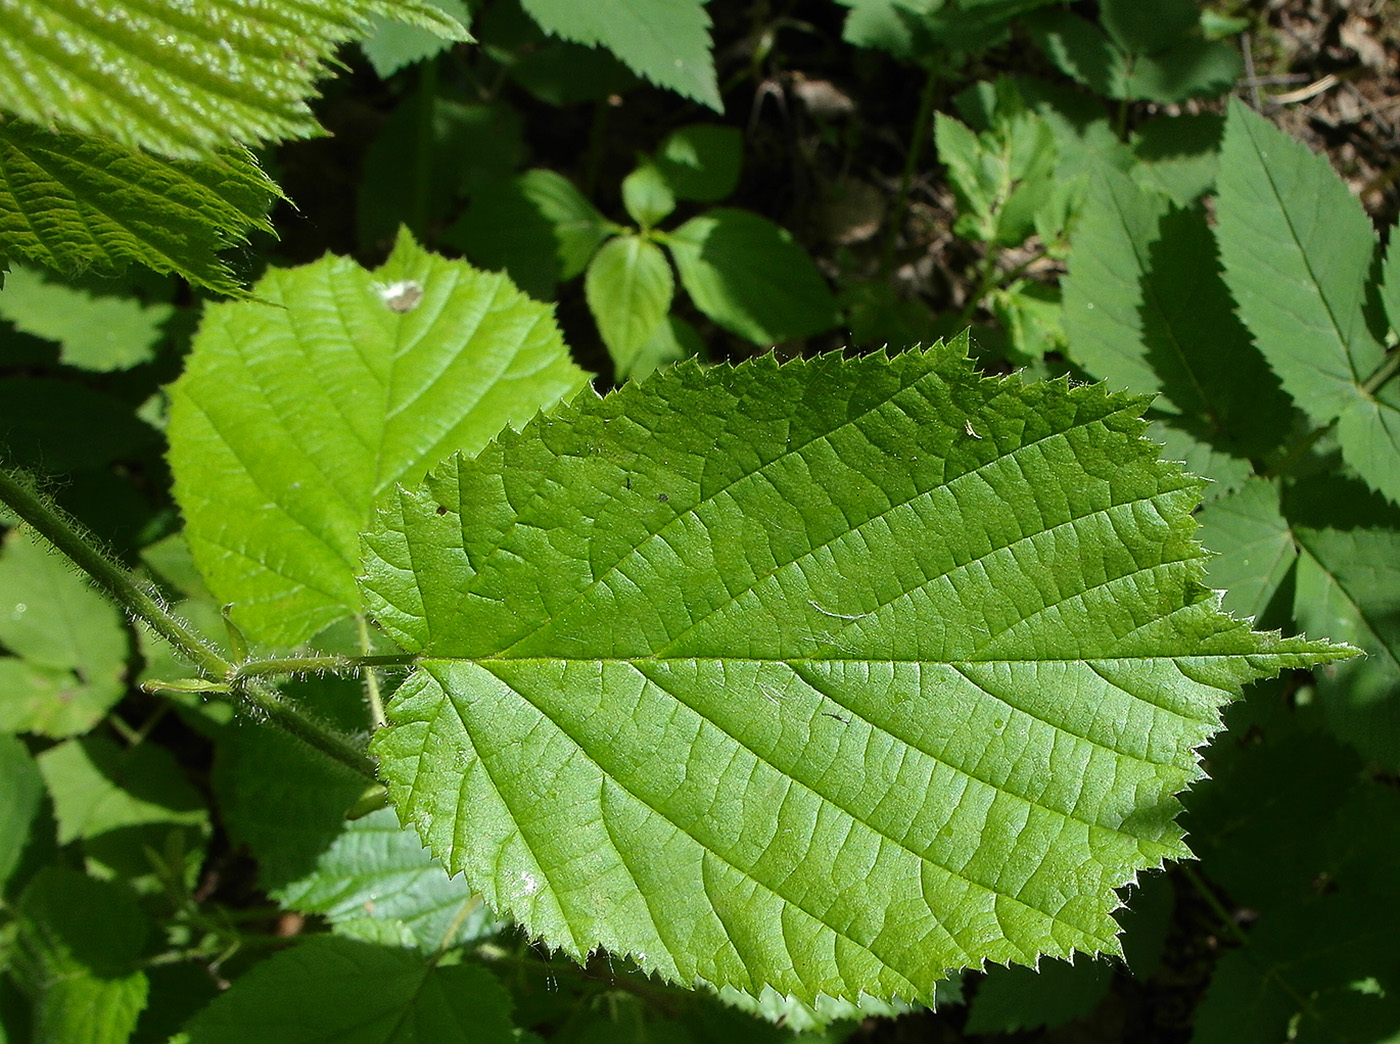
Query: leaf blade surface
{"x": 799, "y": 677}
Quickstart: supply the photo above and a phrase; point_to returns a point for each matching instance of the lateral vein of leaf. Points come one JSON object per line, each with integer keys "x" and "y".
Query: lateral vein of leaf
{"x": 691, "y": 513}
{"x": 280, "y": 595}
{"x": 271, "y": 499}
{"x": 681, "y": 828}
{"x": 898, "y": 842}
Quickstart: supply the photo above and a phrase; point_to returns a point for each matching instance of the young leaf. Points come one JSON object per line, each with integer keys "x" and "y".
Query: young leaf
{"x": 97, "y": 331}
{"x": 157, "y": 75}
{"x": 379, "y": 869}
{"x": 331, "y": 989}
{"x": 647, "y": 197}
{"x": 83, "y": 204}
{"x": 667, "y": 41}
{"x": 1297, "y": 250}
{"x": 629, "y": 288}
{"x": 69, "y": 640}
{"x": 751, "y": 277}
{"x": 825, "y": 677}
{"x": 298, "y": 409}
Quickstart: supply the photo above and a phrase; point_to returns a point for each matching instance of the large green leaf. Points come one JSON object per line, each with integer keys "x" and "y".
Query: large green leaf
{"x": 667, "y": 41}
{"x": 331, "y": 989}
{"x": 183, "y": 80}
{"x": 21, "y": 795}
{"x": 298, "y": 409}
{"x": 828, "y": 676}
{"x": 77, "y": 204}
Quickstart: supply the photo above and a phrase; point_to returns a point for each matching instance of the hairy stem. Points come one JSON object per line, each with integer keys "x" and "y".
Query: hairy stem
{"x": 141, "y": 603}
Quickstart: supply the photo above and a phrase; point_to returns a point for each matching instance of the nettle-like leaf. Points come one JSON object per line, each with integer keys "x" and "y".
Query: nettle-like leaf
{"x": 84, "y": 204}
{"x": 298, "y": 409}
{"x": 178, "y": 79}
{"x": 826, "y": 677}
{"x": 1298, "y": 251}
{"x": 666, "y": 41}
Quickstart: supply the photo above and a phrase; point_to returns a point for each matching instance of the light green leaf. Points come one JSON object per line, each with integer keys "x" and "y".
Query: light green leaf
{"x": 332, "y": 989}
{"x": 1390, "y": 283}
{"x": 80, "y": 204}
{"x": 673, "y": 340}
{"x": 666, "y": 41}
{"x": 78, "y": 943}
{"x": 97, "y": 331}
{"x": 396, "y": 44}
{"x": 162, "y": 76}
{"x": 1254, "y": 547}
{"x": 702, "y": 162}
{"x": 826, "y": 677}
{"x": 122, "y": 803}
{"x": 1297, "y": 250}
{"x": 1349, "y": 587}
{"x": 71, "y": 643}
{"x": 1369, "y": 433}
{"x": 646, "y": 196}
{"x": 751, "y": 277}
{"x": 629, "y": 287}
{"x": 298, "y": 409}
{"x": 1145, "y": 308}
{"x": 21, "y": 795}
{"x": 379, "y": 869}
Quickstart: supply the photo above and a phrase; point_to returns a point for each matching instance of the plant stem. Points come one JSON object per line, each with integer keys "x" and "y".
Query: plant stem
{"x": 376, "y": 702}
{"x": 141, "y": 603}
{"x": 911, "y": 163}
{"x": 1384, "y": 372}
{"x": 317, "y": 665}
{"x": 426, "y": 102}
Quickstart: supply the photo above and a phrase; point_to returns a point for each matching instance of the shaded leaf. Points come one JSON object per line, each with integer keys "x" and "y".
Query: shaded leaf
{"x": 78, "y": 204}
{"x": 666, "y": 41}
{"x": 327, "y": 988}
{"x": 158, "y": 75}
{"x": 21, "y": 796}
{"x": 378, "y": 869}
{"x": 629, "y": 288}
{"x": 97, "y": 332}
{"x": 1253, "y": 544}
{"x": 395, "y": 44}
{"x": 701, "y": 162}
{"x": 71, "y": 643}
{"x": 298, "y": 409}
{"x": 1297, "y": 250}
{"x": 78, "y": 940}
{"x": 1011, "y": 999}
{"x": 826, "y": 677}
{"x": 1145, "y": 308}
{"x": 751, "y": 277}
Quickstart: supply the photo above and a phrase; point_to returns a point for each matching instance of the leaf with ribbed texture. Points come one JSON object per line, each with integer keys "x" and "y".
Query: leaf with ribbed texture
{"x": 378, "y": 869}
{"x": 79, "y": 204}
{"x": 826, "y": 677}
{"x": 1253, "y": 545}
{"x": 1145, "y": 308}
{"x": 1297, "y": 250}
{"x": 178, "y": 78}
{"x": 667, "y": 41}
{"x": 298, "y": 409}
{"x": 331, "y": 989}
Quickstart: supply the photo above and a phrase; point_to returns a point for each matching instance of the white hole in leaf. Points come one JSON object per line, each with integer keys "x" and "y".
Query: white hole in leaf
{"x": 400, "y": 296}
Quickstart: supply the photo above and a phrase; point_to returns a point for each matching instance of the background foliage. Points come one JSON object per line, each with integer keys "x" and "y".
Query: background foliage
{"x": 1099, "y": 190}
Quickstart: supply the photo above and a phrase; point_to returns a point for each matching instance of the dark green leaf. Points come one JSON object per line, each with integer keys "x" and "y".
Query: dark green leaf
{"x": 751, "y": 277}
{"x": 701, "y": 162}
